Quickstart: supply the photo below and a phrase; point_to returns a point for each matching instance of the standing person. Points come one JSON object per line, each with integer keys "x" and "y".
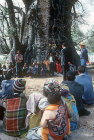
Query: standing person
{"x": 51, "y": 59}
{"x": 83, "y": 55}
{"x": 18, "y": 60}
{"x": 64, "y": 60}
{"x": 0, "y": 66}
{"x": 86, "y": 81}
{"x": 47, "y": 63}
{"x": 4, "y": 70}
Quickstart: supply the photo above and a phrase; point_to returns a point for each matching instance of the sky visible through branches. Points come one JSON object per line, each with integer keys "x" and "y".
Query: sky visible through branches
{"x": 88, "y": 6}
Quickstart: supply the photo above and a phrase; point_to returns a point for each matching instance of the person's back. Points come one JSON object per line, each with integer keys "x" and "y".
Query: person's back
{"x": 7, "y": 90}
{"x": 71, "y": 103}
{"x": 55, "y": 114}
{"x": 77, "y": 91}
{"x": 15, "y": 114}
{"x": 86, "y": 81}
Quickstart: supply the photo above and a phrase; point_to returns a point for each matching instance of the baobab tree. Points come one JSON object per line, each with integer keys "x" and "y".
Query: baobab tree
{"x": 47, "y": 23}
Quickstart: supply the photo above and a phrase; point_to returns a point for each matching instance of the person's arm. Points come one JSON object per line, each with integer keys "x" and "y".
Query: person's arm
{"x": 43, "y": 122}
{"x": 69, "y": 113}
{"x": 15, "y": 57}
{"x": 47, "y": 115}
{"x": 41, "y": 114}
{"x": 21, "y": 57}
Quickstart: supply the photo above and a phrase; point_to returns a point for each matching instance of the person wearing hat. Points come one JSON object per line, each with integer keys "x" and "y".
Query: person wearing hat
{"x": 83, "y": 55}
{"x": 15, "y": 113}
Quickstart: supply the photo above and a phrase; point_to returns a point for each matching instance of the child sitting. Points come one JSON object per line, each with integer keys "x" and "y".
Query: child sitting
{"x": 72, "y": 67}
{"x": 55, "y": 120}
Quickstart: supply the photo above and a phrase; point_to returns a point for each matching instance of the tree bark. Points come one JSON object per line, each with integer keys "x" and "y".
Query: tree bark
{"x": 49, "y": 24}
{"x": 13, "y": 25}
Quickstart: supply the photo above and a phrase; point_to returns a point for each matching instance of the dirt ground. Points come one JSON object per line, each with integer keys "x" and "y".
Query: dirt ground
{"x": 86, "y": 130}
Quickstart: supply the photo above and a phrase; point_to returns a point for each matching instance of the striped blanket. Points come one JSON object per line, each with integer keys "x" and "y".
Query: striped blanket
{"x": 15, "y": 114}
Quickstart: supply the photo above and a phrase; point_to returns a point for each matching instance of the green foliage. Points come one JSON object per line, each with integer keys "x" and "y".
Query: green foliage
{"x": 90, "y": 40}
{"x": 3, "y": 59}
{"x": 77, "y": 35}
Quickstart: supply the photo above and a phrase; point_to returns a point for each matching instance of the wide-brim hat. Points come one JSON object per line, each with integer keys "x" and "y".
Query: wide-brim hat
{"x": 82, "y": 44}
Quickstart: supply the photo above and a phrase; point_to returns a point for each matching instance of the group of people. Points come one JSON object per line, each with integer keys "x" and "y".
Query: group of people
{"x": 56, "y": 61}
{"x": 66, "y": 56}
{"x": 46, "y": 67}
{"x": 52, "y": 115}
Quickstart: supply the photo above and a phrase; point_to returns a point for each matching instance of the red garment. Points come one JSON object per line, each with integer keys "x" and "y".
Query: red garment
{"x": 58, "y": 67}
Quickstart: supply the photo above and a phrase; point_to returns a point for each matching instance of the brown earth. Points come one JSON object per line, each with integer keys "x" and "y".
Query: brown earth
{"x": 86, "y": 130}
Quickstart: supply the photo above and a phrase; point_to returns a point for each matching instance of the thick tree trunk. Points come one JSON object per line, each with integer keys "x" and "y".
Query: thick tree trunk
{"x": 48, "y": 22}
{"x": 16, "y": 43}
{"x": 13, "y": 24}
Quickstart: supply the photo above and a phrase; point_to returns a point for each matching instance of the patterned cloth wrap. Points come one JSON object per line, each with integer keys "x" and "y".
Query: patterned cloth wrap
{"x": 71, "y": 103}
{"x": 15, "y": 114}
{"x": 59, "y": 127}
{"x": 51, "y": 86}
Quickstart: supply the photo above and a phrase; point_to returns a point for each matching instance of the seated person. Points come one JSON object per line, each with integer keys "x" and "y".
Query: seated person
{"x": 6, "y": 85}
{"x": 55, "y": 115}
{"x": 25, "y": 69}
{"x": 12, "y": 69}
{"x": 2, "y": 109}
{"x": 71, "y": 103}
{"x": 30, "y": 70}
{"x": 4, "y": 70}
{"x": 86, "y": 81}
{"x": 35, "y": 68}
{"x": 72, "y": 67}
{"x": 43, "y": 104}
{"x": 77, "y": 91}
{"x": 15, "y": 113}
{"x": 43, "y": 69}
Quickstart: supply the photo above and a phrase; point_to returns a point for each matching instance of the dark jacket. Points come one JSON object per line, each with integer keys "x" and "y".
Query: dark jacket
{"x": 77, "y": 91}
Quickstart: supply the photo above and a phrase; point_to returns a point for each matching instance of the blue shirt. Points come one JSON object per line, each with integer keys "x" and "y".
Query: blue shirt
{"x": 7, "y": 88}
{"x": 84, "y": 54}
{"x": 86, "y": 81}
